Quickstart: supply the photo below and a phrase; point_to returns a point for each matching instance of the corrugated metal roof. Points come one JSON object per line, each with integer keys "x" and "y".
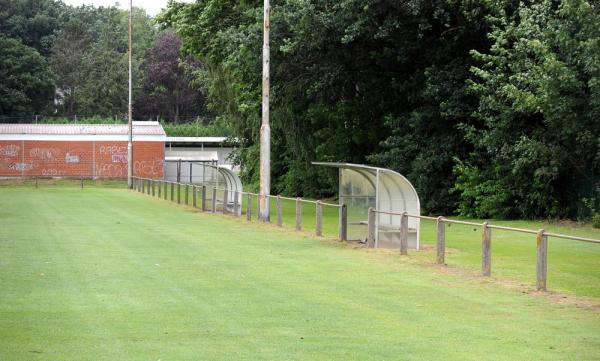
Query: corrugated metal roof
{"x": 139, "y": 128}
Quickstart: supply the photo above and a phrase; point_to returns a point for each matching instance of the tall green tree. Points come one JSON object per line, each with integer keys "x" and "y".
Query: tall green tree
{"x": 26, "y": 82}
{"x": 34, "y": 22}
{"x": 537, "y": 146}
{"x": 68, "y": 54}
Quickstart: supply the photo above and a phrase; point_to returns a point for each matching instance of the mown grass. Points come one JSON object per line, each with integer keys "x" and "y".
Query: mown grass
{"x": 107, "y": 274}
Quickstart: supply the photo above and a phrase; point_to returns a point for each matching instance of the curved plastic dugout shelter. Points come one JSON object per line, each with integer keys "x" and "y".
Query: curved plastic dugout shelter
{"x": 361, "y": 187}
{"x": 224, "y": 178}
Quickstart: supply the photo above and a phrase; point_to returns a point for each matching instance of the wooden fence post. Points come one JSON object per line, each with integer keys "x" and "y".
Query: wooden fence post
{"x": 248, "y": 206}
{"x": 194, "y": 196}
{"x": 343, "y": 223}
{"x": 542, "y": 260}
{"x": 236, "y": 203}
{"x": 404, "y": 234}
{"x": 279, "y": 212}
{"x": 441, "y": 240}
{"x": 298, "y": 214}
{"x": 225, "y": 200}
{"x": 486, "y": 250}
{"x": 319, "y": 220}
{"x": 371, "y": 228}
{"x": 258, "y": 207}
{"x": 214, "y": 200}
{"x": 203, "y": 200}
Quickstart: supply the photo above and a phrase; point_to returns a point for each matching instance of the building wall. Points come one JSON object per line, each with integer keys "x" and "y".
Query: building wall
{"x": 98, "y": 159}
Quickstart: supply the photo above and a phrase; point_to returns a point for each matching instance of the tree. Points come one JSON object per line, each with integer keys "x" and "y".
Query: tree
{"x": 70, "y": 49}
{"x": 167, "y": 91}
{"x": 26, "y": 83}
{"x": 34, "y": 22}
{"x": 537, "y": 146}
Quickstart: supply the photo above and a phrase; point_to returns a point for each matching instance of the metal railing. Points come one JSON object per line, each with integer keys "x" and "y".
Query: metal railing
{"x": 231, "y": 202}
{"x": 486, "y": 241}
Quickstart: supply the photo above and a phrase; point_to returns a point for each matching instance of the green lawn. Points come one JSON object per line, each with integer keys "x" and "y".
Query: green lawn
{"x": 109, "y": 274}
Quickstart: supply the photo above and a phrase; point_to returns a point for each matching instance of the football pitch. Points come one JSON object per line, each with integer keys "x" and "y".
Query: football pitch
{"x": 103, "y": 273}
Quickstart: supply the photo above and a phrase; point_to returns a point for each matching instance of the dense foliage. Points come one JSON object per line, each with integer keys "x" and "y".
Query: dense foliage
{"x": 489, "y": 107}
{"x": 83, "y": 63}
{"x": 168, "y": 90}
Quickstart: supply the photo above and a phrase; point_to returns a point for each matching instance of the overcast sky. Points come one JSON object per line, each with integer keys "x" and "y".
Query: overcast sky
{"x": 152, "y": 7}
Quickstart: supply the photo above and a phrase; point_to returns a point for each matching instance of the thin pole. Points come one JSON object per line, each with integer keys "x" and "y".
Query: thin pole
{"x": 129, "y": 112}
{"x": 265, "y": 129}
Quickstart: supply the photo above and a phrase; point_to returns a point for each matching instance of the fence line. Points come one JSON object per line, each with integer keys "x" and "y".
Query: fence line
{"x": 486, "y": 241}
{"x": 148, "y": 185}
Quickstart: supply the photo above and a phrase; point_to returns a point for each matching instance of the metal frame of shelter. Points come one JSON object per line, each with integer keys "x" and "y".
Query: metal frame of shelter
{"x": 363, "y": 186}
{"x": 230, "y": 180}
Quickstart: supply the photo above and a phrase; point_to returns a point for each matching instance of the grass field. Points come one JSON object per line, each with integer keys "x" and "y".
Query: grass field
{"x": 109, "y": 274}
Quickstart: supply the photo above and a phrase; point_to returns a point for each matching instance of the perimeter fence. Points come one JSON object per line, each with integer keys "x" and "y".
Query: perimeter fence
{"x": 215, "y": 199}
{"x": 486, "y": 240}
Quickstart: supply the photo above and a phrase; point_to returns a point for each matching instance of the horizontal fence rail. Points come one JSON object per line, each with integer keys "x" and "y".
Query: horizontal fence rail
{"x": 231, "y": 198}
{"x": 486, "y": 240}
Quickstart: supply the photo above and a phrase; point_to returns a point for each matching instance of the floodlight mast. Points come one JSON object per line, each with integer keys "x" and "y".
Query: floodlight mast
{"x": 265, "y": 129}
{"x": 129, "y": 112}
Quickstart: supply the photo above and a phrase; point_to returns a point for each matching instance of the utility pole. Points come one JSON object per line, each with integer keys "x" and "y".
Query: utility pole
{"x": 129, "y": 112}
{"x": 265, "y": 129}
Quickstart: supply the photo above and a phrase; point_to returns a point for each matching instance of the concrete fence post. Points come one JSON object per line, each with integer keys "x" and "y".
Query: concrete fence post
{"x": 160, "y": 189}
{"x": 371, "y": 228}
{"x": 153, "y": 188}
{"x": 486, "y": 250}
{"x": 194, "y": 196}
{"x": 248, "y": 206}
{"x": 143, "y": 186}
{"x": 298, "y": 214}
{"x": 441, "y": 241}
{"x": 166, "y": 185}
{"x": 186, "y": 194}
{"x": 236, "y": 203}
{"x": 214, "y": 200}
{"x": 542, "y": 260}
{"x": 279, "y": 212}
{"x": 81, "y": 182}
{"x": 404, "y": 234}
{"x": 319, "y": 219}
{"x": 343, "y": 223}
{"x": 36, "y": 182}
{"x": 203, "y": 200}
{"x": 172, "y": 191}
{"x": 225, "y": 200}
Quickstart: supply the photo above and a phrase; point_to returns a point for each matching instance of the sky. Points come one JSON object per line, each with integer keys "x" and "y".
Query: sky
{"x": 152, "y": 7}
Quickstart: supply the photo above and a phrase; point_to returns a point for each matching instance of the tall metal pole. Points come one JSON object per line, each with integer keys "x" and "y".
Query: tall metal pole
{"x": 129, "y": 112}
{"x": 265, "y": 130}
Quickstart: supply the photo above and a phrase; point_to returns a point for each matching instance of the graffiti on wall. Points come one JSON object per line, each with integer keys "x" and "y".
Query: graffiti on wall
{"x": 10, "y": 150}
{"x": 53, "y": 172}
{"x": 46, "y": 154}
{"x": 119, "y": 158}
{"x": 111, "y": 170}
{"x": 148, "y": 168}
{"x": 113, "y": 149}
{"x": 71, "y": 158}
